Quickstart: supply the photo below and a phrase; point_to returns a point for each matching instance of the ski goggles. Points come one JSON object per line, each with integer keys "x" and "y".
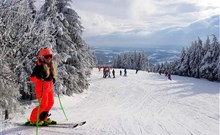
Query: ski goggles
{"x": 48, "y": 56}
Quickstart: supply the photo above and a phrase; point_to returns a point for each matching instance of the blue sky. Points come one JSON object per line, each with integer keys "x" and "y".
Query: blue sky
{"x": 144, "y": 16}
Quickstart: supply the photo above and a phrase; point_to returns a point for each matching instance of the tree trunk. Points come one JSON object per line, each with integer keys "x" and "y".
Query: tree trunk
{"x": 6, "y": 114}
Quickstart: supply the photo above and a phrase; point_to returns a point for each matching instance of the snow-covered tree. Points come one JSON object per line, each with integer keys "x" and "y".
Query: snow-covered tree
{"x": 182, "y": 57}
{"x": 118, "y": 62}
{"x": 8, "y": 88}
{"x": 74, "y": 57}
{"x": 59, "y": 28}
{"x": 183, "y": 67}
{"x": 13, "y": 26}
{"x": 196, "y": 55}
{"x": 172, "y": 67}
{"x": 207, "y": 45}
{"x": 143, "y": 62}
{"x": 209, "y": 65}
{"x": 218, "y": 69}
{"x": 131, "y": 60}
{"x": 156, "y": 68}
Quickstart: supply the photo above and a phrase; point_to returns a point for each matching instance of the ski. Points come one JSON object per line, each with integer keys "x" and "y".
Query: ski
{"x": 67, "y": 125}
{"x": 58, "y": 125}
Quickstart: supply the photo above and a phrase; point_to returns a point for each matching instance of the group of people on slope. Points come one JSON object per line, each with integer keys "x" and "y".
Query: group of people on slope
{"x": 107, "y": 72}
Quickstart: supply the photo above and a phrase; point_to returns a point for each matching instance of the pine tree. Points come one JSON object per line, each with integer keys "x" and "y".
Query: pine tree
{"x": 183, "y": 67}
{"x": 143, "y": 62}
{"x": 13, "y": 28}
{"x": 196, "y": 54}
{"x": 209, "y": 62}
{"x": 215, "y": 53}
{"x": 206, "y": 46}
{"x": 218, "y": 69}
{"x": 73, "y": 57}
{"x": 182, "y": 56}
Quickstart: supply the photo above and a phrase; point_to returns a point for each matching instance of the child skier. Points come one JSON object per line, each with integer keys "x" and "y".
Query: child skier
{"x": 43, "y": 77}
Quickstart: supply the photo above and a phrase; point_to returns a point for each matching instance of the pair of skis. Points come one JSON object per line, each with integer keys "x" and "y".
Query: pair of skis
{"x": 58, "y": 125}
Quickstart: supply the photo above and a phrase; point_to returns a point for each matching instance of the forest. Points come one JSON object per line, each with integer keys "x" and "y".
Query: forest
{"x": 200, "y": 60}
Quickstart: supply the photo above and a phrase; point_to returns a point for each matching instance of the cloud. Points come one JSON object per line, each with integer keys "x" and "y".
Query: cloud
{"x": 104, "y": 17}
{"x": 116, "y": 9}
{"x": 174, "y": 36}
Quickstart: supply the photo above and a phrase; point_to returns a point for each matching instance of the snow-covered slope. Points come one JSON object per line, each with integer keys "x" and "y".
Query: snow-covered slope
{"x": 139, "y": 104}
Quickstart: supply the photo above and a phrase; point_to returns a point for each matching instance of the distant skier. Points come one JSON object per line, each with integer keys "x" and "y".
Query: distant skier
{"x": 169, "y": 76}
{"x": 160, "y": 72}
{"x": 43, "y": 76}
{"x": 125, "y": 72}
{"x": 120, "y": 73}
{"x": 136, "y": 70}
{"x": 166, "y": 73}
{"x": 105, "y": 72}
{"x": 113, "y": 73}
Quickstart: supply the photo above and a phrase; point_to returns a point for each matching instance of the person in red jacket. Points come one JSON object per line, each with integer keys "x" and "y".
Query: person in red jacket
{"x": 43, "y": 77}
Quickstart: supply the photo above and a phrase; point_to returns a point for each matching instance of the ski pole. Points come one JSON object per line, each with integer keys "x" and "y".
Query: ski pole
{"x": 62, "y": 107}
{"x": 38, "y": 109}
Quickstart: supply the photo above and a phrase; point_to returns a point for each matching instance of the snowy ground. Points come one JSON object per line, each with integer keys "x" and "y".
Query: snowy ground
{"x": 139, "y": 104}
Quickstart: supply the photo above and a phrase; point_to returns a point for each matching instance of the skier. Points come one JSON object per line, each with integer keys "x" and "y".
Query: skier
{"x": 166, "y": 73}
{"x": 109, "y": 72}
{"x": 169, "y": 76}
{"x": 125, "y": 72}
{"x": 43, "y": 77}
{"x": 120, "y": 72}
{"x": 136, "y": 70}
{"x": 105, "y": 72}
{"x": 160, "y": 72}
{"x": 113, "y": 73}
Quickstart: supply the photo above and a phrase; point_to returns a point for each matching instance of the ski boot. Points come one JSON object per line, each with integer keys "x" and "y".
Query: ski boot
{"x": 44, "y": 116}
{"x": 40, "y": 123}
{"x": 50, "y": 122}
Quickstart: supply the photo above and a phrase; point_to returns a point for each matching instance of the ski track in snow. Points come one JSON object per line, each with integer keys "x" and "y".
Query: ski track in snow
{"x": 139, "y": 104}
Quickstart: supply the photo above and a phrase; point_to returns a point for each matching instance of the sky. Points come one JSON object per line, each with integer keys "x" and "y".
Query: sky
{"x": 147, "y": 23}
{"x": 143, "y": 17}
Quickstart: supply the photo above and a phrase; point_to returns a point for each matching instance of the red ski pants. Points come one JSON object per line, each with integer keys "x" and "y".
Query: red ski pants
{"x": 47, "y": 100}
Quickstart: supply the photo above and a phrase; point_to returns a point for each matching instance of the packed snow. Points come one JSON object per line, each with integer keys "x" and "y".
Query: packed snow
{"x": 139, "y": 104}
